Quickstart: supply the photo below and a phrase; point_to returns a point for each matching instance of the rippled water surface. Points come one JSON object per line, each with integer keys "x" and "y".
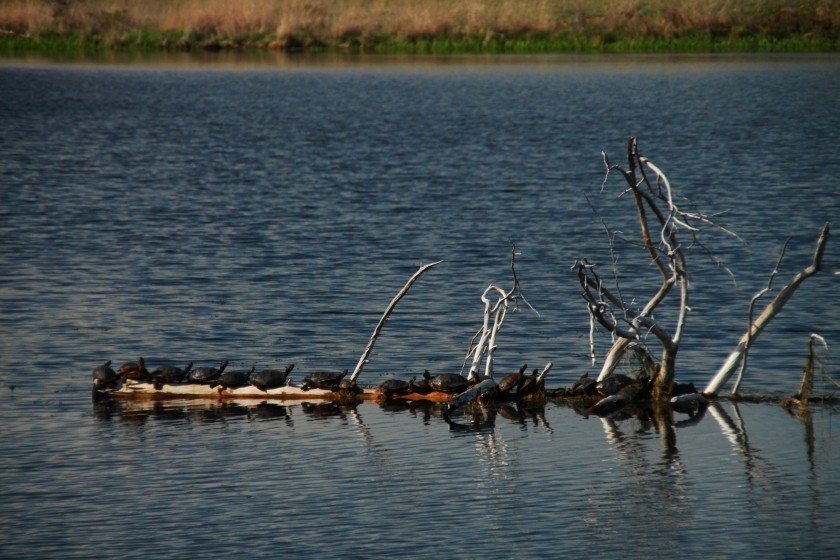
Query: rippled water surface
{"x": 268, "y": 214}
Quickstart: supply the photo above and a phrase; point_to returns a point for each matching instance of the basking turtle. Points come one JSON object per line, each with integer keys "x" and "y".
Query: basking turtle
{"x": 136, "y": 371}
{"x": 348, "y": 386}
{"x": 422, "y": 386}
{"x": 528, "y": 384}
{"x": 271, "y": 378}
{"x": 204, "y": 375}
{"x": 584, "y": 386}
{"x": 391, "y": 387}
{"x": 231, "y": 379}
{"x": 104, "y": 377}
{"x": 614, "y": 383}
{"x": 510, "y": 381}
{"x": 449, "y": 383}
{"x": 169, "y": 374}
{"x": 323, "y": 380}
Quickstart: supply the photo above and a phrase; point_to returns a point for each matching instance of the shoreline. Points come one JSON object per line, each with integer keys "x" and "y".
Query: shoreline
{"x": 140, "y": 43}
{"x": 74, "y": 27}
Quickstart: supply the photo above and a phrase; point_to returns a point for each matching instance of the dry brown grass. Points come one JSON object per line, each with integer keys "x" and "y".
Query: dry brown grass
{"x": 330, "y": 22}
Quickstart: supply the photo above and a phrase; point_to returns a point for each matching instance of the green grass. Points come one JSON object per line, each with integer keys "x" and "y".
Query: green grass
{"x": 149, "y": 41}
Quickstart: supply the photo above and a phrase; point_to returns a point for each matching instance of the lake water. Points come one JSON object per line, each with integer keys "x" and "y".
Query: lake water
{"x": 266, "y": 212}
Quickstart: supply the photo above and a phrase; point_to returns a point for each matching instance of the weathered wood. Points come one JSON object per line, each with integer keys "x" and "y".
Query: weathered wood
{"x": 363, "y": 360}
{"x": 773, "y": 308}
{"x": 287, "y": 392}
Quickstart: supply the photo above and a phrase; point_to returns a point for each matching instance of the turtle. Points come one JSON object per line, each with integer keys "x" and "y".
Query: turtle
{"x": 104, "y": 377}
{"x": 528, "y": 384}
{"x": 323, "y": 380}
{"x": 135, "y": 371}
{"x": 614, "y": 383}
{"x": 449, "y": 383}
{"x": 348, "y": 386}
{"x": 422, "y": 386}
{"x": 393, "y": 386}
{"x": 271, "y": 378}
{"x": 204, "y": 375}
{"x": 508, "y": 382}
{"x": 231, "y": 379}
{"x": 584, "y": 386}
{"x": 169, "y": 374}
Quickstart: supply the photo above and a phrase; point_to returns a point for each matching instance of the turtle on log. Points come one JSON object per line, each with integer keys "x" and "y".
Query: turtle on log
{"x": 233, "y": 379}
{"x": 391, "y": 387}
{"x": 323, "y": 380}
{"x": 136, "y": 371}
{"x": 169, "y": 374}
{"x": 509, "y": 382}
{"x": 271, "y": 378}
{"x": 449, "y": 383}
{"x": 104, "y": 377}
{"x": 206, "y": 375}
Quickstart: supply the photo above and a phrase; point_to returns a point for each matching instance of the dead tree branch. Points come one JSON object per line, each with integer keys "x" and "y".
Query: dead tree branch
{"x": 486, "y": 335}
{"x": 662, "y": 224}
{"x": 773, "y": 308}
{"x": 363, "y": 360}
{"x": 754, "y": 299}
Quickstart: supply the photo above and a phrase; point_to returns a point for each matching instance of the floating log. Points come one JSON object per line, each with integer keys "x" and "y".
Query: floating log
{"x": 286, "y": 393}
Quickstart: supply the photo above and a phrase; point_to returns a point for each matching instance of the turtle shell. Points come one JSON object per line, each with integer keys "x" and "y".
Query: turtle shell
{"x": 322, "y": 380}
{"x": 104, "y": 377}
{"x": 169, "y": 374}
{"x": 394, "y": 386}
{"x": 614, "y": 383}
{"x": 206, "y": 375}
{"x": 528, "y": 384}
{"x": 510, "y": 381}
{"x": 271, "y": 378}
{"x": 230, "y": 379}
{"x": 134, "y": 370}
{"x": 422, "y": 385}
{"x": 449, "y": 383}
{"x": 584, "y": 386}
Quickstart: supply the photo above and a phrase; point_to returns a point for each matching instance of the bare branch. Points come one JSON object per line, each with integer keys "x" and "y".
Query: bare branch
{"x": 754, "y": 299}
{"x": 385, "y": 315}
{"x": 771, "y": 310}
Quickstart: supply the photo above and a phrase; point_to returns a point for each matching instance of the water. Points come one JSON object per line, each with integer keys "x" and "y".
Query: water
{"x": 267, "y": 214}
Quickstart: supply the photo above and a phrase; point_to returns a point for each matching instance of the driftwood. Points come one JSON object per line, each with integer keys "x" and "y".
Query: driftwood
{"x": 663, "y": 224}
{"x": 665, "y": 251}
{"x": 369, "y": 348}
{"x": 773, "y": 308}
{"x": 486, "y": 335}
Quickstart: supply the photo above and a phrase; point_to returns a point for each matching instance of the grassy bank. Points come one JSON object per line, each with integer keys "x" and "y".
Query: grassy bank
{"x": 424, "y": 26}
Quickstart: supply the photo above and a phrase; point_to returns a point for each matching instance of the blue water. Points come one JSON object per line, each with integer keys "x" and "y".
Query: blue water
{"x": 268, "y": 213}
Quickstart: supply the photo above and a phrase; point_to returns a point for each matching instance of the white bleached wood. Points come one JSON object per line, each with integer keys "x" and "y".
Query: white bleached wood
{"x": 388, "y": 310}
{"x": 773, "y": 308}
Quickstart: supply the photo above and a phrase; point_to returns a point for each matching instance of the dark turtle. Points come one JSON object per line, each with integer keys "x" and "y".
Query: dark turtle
{"x": 135, "y": 371}
{"x": 528, "y": 384}
{"x": 205, "y": 375}
{"x": 348, "y": 386}
{"x": 584, "y": 387}
{"x": 323, "y": 380}
{"x": 422, "y": 386}
{"x": 104, "y": 377}
{"x": 169, "y": 374}
{"x": 271, "y": 378}
{"x": 391, "y": 387}
{"x": 231, "y": 379}
{"x": 449, "y": 383}
{"x": 614, "y": 383}
{"x": 510, "y": 381}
